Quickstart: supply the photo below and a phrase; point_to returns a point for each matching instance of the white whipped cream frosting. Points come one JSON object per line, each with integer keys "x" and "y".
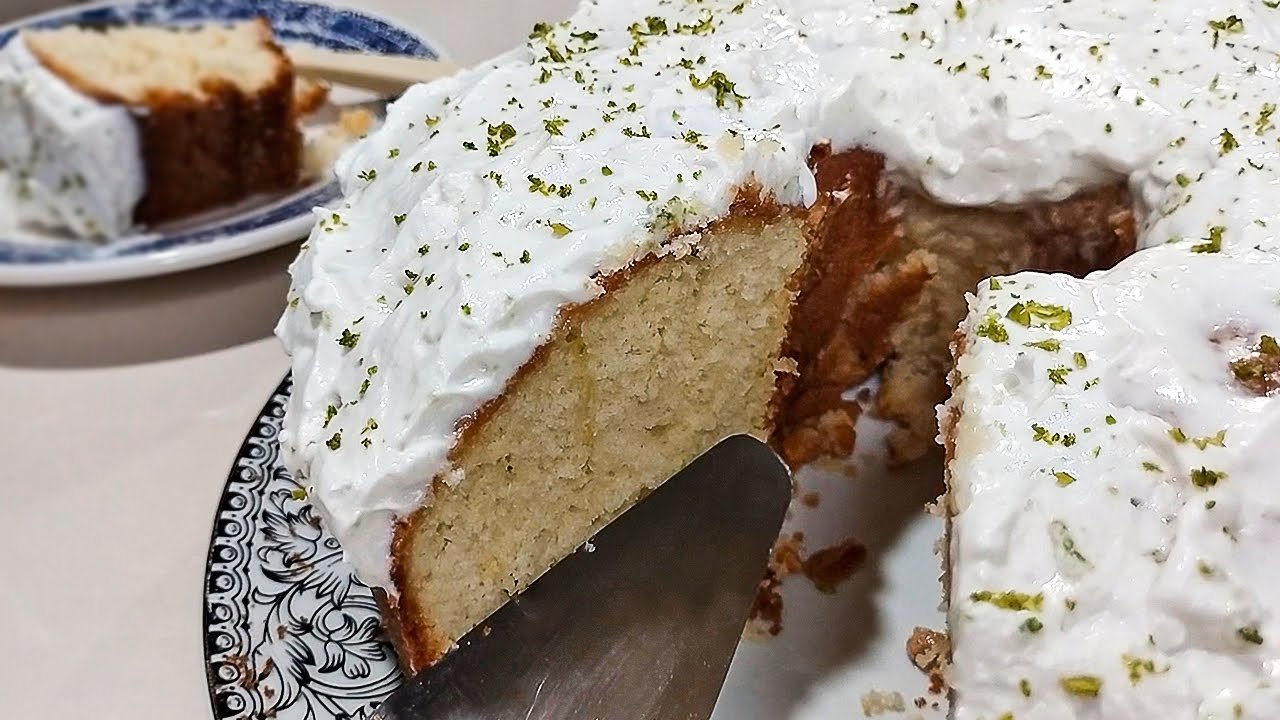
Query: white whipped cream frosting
{"x": 67, "y": 161}
{"x": 1117, "y": 511}
{"x": 980, "y": 102}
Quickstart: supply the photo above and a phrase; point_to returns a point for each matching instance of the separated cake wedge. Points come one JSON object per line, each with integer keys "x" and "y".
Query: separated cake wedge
{"x": 103, "y": 128}
{"x": 1113, "y": 497}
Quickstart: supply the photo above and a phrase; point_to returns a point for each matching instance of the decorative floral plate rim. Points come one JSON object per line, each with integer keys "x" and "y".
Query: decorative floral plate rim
{"x": 260, "y": 225}
{"x": 289, "y": 633}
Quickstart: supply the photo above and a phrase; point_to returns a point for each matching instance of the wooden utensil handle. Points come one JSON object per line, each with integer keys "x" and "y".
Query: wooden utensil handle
{"x": 387, "y": 74}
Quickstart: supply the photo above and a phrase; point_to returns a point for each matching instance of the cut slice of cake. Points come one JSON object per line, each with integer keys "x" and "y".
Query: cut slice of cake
{"x": 1113, "y": 505}
{"x": 109, "y": 127}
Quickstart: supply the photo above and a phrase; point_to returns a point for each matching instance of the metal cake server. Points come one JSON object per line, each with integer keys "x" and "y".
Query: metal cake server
{"x": 640, "y": 624}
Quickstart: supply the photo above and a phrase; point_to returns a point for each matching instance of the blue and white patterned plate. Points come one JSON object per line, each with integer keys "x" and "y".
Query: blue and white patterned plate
{"x": 289, "y": 632}
{"x": 221, "y": 235}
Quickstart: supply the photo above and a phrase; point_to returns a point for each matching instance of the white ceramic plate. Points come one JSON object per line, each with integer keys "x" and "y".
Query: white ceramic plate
{"x": 290, "y": 634}
{"x": 258, "y": 224}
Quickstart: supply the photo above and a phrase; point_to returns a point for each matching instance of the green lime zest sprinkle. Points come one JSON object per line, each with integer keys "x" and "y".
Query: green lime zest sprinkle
{"x": 1203, "y": 477}
{"x": 1081, "y": 685}
{"x": 555, "y": 125}
{"x": 1213, "y": 243}
{"x": 1050, "y": 345}
{"x": 1010, "y": 600}
{"x": 724, "y": 89}
{"x": 1137, "y": 667}
{"x": 348, "y": 339}
{"x": 1250, "y": 634}
{"x": 1062, "y": 534}
{"x": 1218, "y": 439}
{"x": 1226, "y": 142}
{"x": 499, "y": 137}
{"x": 1029, "y": 313}
{"x": 992, "y": 329}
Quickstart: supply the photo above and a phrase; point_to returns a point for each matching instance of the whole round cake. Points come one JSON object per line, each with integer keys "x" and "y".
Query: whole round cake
{"x": 556, "y": 278}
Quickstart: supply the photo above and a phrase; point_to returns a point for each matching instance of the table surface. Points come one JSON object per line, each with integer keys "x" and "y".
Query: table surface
{"x": 121, "y": 409}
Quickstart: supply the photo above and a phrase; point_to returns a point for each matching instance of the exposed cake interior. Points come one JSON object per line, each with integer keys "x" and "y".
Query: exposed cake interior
{"x": 1112, "y": 500}
{"x": 605, "y": 411}
{"x": 141, "y": 64}
{"x": 904, "y": 264}
{"x": 592, "y": 423}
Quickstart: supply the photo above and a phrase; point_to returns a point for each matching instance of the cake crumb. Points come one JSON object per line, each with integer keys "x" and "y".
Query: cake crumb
{"x": 766, "y": 610}
{"x": 309, "y": 94}
{"x": 1259, "y": 372}
{"x": 786, "y": 366}
{"x": 930, "y": 651}
{"x": 825, "y": 568}
{"x": 830, "y": 566}
{"x": 879, "y": 702}
{"x": 454, "y": 477}
{"x": 324, "y": 147}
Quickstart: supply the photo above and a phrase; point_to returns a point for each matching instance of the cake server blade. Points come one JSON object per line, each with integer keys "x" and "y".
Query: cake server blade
{"x": 640, "y": 624}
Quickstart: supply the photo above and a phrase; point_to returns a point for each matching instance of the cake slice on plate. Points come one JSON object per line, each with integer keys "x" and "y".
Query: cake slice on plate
{"x": 105, "y": 128}
{"x": 1113, "y": 506}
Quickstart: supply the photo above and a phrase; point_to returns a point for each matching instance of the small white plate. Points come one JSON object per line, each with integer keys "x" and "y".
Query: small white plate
{"x": 254, "y": 225}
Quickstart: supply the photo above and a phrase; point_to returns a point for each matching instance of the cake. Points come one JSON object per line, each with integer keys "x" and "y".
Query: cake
{"x": 1112, "y": 495}
{"x": 102, "y": 129}
{"x": 557, "y": 277}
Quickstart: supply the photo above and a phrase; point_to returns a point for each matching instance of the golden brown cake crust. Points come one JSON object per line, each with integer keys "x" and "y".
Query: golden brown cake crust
{"x": 836, "y": 341}
{"x": 201, "y": 154}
